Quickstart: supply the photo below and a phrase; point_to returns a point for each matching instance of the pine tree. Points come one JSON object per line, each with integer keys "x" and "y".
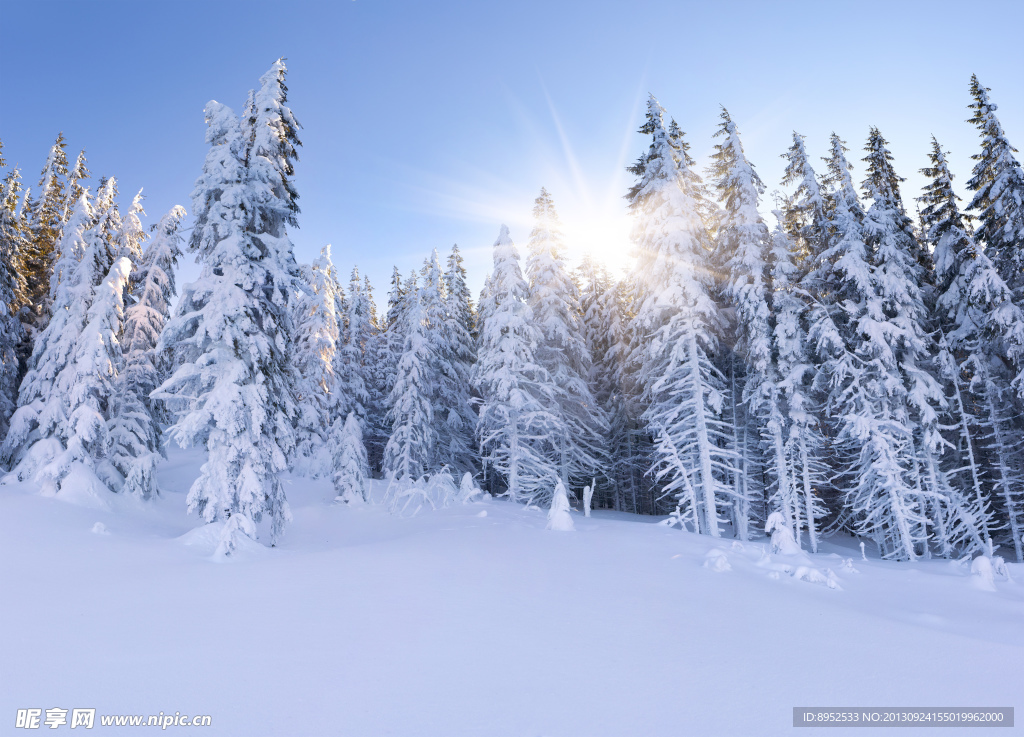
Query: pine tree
{"x": 350, "y": 468}
{"x": 604, "y": 332}
{"x": 45, "y": 231}
{"x": 555, "y": 302}
{"x": 515, "y": 423}
{"x": 805, "y": 213}
{"x": 234, "y": 387}
{"x": 107, "y": 220}
{"x": 413, "y": 440}
{"x": 983, "y": 332}
{"x": 316, "y": 342}
{"x": 385, "y": 351}
{"x": 447, "y": 373}
{"x": 998, "y": 185}
{"x": 131, "y": 235}
{"x": 678, "y": 324}
{"x": 59, "y": 429}
{"x": 352, "y": 369}
{"x": 41, "y": 413}
{"x": 88, "y": 386}
{"x": 12, "y": 296}
{"x": 869, "y": 339}
{"x": 743, "y": 244}
{"x": 795, "y": 497}
{"x": 135, "y": 424}
{"x": 454, "y": 395}
{"x": 75, "y": 188}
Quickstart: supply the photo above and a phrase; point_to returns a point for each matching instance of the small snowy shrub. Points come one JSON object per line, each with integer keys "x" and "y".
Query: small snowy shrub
{"x": 558, "y": 515}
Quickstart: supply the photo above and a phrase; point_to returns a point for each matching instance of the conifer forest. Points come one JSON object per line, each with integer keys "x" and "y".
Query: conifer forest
{"x": 711, "y": 423}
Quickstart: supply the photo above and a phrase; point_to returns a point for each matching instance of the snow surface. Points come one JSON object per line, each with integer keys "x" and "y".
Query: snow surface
{"x": 475, "y": 620}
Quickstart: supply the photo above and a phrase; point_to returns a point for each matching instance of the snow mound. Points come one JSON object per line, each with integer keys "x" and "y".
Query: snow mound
{"x": 209, "y": 540}
{"x": 83, "y": 488}
{"x": 985, "y": 571}
{"x": 100, "y": 529}
{"x": 716, "y": 560}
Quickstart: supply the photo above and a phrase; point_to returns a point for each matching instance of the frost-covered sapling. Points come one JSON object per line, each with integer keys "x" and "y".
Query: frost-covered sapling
{"x": 588, "y": 495}
{"x": 350, "y": 467}
{"x": 558, "y": 515}
{"x": 782, "y": 535}
{"x": 468, "y": 490}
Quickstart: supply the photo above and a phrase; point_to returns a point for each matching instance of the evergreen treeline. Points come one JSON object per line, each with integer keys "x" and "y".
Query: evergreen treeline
{"x": 847, "y": 369}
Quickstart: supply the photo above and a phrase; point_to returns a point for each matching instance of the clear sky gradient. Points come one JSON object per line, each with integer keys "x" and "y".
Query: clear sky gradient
{"x": 430, "y": 123}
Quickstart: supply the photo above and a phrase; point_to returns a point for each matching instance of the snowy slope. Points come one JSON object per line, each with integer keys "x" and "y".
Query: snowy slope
{"x": 460, "y": 623}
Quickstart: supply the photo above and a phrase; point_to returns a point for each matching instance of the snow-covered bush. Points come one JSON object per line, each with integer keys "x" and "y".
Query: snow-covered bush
{"x": 558, "y": 515}
{"x": 407, "y": 496}
{"x": 782, "y": 537}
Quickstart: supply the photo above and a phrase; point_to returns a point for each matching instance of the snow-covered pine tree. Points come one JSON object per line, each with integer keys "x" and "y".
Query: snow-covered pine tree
{"x": 448, "y": 373}
{"x": 131, "y": 234}
{"x": 743, "y": 245}
{"x": 385, "y": 351}
{"x": 868, "y": 339}
{"x": 516, "y": 394}
{"x": 998, "y": 185}
{"x": 902, "y": 270}
{"x": 559, "y": 518}
{"x": 454, "y": 396}
{"x": 107, "y": 218}
{"x": 46, "y": 225}
{"x": 983, "y": 335}
{"x": 352, "y": 368}
{"x": 135, "y": 422}
{"x": 410, "y": 449}
{"x": 58, "y": 435}
{"x": 316, "y": 341}
{"x": 805, "y": 212}
{"x": 797, "y": 499}
{"x": 350, "y": 469}
{"x": 604, "y": 333}
{"x": 234, "y": 390}
{"x": 87, "y": 385}
{"x": 12, "y": 296}
{"x": 679, "y": 326}
{"x": 555, "y": 303}
{"x": 40, "y": 405}
{"x": 75, "y": 188}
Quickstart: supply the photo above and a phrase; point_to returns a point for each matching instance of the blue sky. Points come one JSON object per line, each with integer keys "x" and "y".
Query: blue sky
{"x": 427, "y": 124}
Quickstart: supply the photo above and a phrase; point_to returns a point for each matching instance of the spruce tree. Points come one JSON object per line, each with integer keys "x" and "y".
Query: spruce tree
{"x": 59, "y": 433}
{"x": 234, "y": 390}
{"x": 555, "y": 302}
{"x": 743, "y": 244}
{"x": 804, "y": 215}
{"x": 455, "y": 396}
{"x": 41, "y": 411}
{"x": 517, "y": 396}
{"x": 316, "y": 341}
{"x": 982, "y": 336}
{"x": 46, "y": 223}
{"x": 352, "y": 365}
{"x": 413, "y": 440}
{"x": 350, "y": 468}
{"x": 998, "y": 185}
{"x": 678, "y": 325}
{"x": 795, "y": 495}
{"x": 135, "y": 424}
{"x": 12, "y": 296}
{"x": 604, "y": 332}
